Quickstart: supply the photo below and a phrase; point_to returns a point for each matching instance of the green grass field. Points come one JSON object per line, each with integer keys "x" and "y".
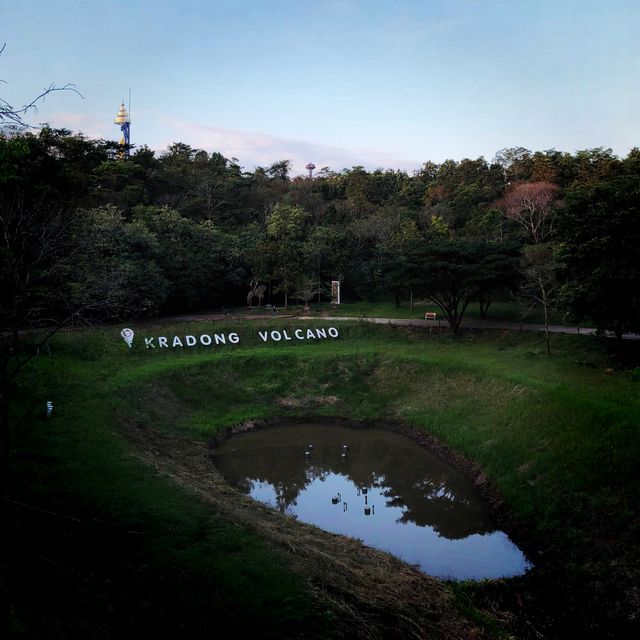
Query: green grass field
{"x": 498, "y": 311}
{"x": 105, "y": 545}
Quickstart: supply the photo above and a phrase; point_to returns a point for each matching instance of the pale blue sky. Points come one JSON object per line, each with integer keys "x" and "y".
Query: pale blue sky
{"x": 339, "y": 82}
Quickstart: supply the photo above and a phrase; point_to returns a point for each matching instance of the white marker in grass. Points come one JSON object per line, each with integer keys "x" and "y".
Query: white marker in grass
{"x": 127, "y": 336}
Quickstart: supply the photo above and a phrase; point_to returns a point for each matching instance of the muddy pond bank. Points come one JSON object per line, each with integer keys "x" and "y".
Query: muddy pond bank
{"x": 373, "y": 594}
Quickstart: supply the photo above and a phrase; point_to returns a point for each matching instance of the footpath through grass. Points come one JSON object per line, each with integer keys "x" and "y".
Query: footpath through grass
{"x": 106, "y": 546}
{"x": 512, "y": 311}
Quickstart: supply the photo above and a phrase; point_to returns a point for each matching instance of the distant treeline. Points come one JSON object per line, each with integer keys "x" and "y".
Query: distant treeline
{"x": 86, "y": 229}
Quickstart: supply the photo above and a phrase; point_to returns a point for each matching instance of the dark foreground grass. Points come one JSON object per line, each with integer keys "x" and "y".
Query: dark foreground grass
{"x": 105, "y": 546}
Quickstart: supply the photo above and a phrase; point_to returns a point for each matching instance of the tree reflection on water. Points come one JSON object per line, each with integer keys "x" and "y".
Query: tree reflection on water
{"x": 417, "y": 487}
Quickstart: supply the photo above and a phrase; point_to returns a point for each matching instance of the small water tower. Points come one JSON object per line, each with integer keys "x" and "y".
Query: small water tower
{"x": 310, "y": 167}
{"x": 122, "y": 118}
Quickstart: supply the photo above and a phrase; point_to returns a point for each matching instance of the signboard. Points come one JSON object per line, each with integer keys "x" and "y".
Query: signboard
{"x": 293, "y": 334}
{"x": 335, "y": 292}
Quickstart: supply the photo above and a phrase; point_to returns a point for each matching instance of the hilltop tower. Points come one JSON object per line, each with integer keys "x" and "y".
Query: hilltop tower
{"x": 122, "y": 118}
{"x": 310, "y": 167}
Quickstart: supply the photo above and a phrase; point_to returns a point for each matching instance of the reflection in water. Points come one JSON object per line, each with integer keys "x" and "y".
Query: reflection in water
{"x": 374, "y": 485}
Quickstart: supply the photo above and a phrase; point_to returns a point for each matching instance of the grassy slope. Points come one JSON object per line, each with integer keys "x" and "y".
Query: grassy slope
{"x": 548, "y": 431}
{"x": 129, "y": 554}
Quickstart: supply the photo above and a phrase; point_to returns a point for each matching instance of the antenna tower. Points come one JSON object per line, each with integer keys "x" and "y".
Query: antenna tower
{"x": 124, "y": 120}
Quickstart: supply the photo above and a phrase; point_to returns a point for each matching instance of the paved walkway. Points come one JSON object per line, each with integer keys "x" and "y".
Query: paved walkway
{"x": 405, "y": 322}
{"x": 481, "y": 324}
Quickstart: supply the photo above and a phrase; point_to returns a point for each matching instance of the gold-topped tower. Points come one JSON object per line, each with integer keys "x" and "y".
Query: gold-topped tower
{"x": 122, "y": 118}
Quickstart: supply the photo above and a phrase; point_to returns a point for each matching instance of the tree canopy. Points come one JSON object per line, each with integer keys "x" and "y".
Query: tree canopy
{"x": 186, "y": 229}
{"x": 601, "y": 254}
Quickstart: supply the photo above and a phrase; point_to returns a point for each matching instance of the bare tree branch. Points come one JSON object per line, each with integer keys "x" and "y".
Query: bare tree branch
{"x": 10, "y": 115}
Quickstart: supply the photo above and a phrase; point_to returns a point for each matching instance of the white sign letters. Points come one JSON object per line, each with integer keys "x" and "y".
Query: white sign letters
{"x": 232, "y": 338}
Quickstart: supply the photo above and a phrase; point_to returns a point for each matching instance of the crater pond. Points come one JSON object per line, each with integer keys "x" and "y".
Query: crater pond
{"x": 378, "y": 486}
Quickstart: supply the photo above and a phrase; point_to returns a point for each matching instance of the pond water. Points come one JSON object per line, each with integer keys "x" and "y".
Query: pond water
{"x": 378, "y": 486}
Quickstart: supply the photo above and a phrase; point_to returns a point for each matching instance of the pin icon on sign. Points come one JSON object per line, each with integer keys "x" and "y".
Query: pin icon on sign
{"x": 127, "y": 336}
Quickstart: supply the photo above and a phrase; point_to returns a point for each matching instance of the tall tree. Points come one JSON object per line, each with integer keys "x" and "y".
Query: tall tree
{"x": 119, "y": 263}
{"x": 190, "y": 258}
{"x": 540, "y": 284}
{"x": 285, "y": 226}
{"x": 38, "y": 284}
{"x": 533, "y": 206}
{"x": 515, "y": 163}
{"x": 453, "y": 273}
{"x": 600, "y": 232}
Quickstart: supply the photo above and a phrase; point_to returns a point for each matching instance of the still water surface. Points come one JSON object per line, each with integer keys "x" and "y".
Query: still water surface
{"x": 378, "y": 486}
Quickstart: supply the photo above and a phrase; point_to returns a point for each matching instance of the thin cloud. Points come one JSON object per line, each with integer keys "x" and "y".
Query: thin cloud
{"x": 253, "y": 149}
{"x": 88, "y": 125}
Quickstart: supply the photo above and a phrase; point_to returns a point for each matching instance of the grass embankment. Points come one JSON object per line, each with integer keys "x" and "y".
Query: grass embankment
{"x": 117, "y": 549}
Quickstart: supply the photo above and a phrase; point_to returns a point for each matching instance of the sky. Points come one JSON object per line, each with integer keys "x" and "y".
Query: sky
{"x": 379, "y": 83}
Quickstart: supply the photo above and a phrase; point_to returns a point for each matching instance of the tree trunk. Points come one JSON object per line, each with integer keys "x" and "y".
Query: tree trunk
{"x": 319, "y": 293}
{"x": 453, "y": 321}
{"x": 411, "y": 298}
{"x": 546, "y": 330}
{"x": 545, "y": 306}
{"x": 6, "y": 517}
{"x": 5, "y": 445}
{"x": 456, "y": 317}
{"x": 618, "y": 332}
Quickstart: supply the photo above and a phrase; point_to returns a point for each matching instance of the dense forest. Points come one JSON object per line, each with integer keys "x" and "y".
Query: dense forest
{"x": 87, "y": 230}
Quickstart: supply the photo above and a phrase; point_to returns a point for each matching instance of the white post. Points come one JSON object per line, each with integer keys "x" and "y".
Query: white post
{"x": 335, "y": 292}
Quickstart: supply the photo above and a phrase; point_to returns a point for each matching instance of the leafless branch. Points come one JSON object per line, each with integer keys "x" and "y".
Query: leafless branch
{"x": 14, "y": 115}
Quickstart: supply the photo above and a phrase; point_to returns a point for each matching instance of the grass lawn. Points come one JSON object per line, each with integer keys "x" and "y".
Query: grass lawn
{"x": 105, "y": 545}
{"x": 498, "y": 311}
